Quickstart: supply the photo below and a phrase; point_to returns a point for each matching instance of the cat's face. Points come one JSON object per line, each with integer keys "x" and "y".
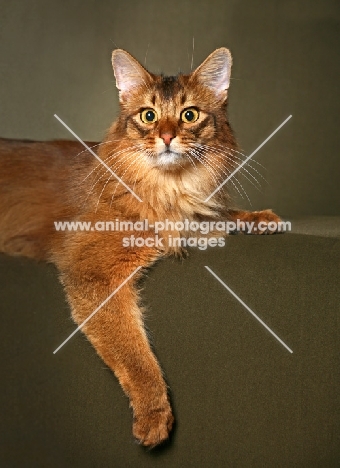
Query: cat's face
{"x": 173, "y": 121}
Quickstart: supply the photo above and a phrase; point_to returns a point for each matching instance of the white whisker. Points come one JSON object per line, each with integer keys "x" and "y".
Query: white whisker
{"x": 220, "y": 168}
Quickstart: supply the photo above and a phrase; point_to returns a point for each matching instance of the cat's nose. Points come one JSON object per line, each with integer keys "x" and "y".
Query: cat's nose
{"x": 167, "y": 137}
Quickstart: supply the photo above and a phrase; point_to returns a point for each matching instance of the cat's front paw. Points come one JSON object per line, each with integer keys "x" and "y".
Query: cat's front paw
{"x": 153, "y": 427}
{"x": 262, "y": 222}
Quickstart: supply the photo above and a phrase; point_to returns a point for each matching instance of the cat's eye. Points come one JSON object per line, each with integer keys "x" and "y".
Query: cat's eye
{"x": 148, "y": 116}
{"x": 190, "y": 115}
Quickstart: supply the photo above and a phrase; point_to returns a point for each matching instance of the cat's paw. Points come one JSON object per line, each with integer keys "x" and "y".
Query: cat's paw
{"x": 262, "y": 222}
{"x": 153, "y": 428}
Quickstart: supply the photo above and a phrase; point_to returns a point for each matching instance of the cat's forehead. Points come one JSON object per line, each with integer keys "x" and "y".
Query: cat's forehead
{"x": 170, "y": 91}
{"x": 169, "y": 87}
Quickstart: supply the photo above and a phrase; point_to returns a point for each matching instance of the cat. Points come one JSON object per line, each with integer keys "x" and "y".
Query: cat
{"x": 172, "y": 145}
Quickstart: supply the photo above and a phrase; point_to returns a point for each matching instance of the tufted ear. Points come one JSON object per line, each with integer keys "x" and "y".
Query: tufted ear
{"x": 214, "y": 72}
{"x": 128, "y": 72}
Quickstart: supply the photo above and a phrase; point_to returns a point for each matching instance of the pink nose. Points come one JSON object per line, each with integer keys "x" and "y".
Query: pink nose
{"x": 167, "y": 137}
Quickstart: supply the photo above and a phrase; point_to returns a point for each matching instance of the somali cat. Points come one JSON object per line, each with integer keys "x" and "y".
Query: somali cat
{"x": 172, "y": 145}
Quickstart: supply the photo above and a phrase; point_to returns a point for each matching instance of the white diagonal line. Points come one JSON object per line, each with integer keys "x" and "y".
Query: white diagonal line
{"x": 98, "y": 158}
{"x": 246, "y": 160}
{"x": 98, "y": 308}
{"x": 249, "y": 309}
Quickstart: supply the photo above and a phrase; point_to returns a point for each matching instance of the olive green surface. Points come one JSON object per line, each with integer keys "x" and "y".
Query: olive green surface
{"x": 241, "y": 399}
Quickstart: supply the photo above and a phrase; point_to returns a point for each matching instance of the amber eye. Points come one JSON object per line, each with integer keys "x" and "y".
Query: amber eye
{"x": 190, "y": 115}
{"x": 148, "y": 116}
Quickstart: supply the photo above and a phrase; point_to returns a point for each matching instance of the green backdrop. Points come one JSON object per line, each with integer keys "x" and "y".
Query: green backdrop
{"x": 55, "y": 58}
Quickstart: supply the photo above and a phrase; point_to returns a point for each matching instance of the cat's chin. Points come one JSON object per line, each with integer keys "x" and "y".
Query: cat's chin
{"x": 169, "y": 160}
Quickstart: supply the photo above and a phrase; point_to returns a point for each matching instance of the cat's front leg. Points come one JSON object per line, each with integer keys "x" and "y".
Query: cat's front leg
{"x": 117, "y": 333}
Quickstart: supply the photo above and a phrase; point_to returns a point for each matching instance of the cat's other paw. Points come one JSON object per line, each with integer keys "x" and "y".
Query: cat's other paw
{"x": 153, "y": 427}
{"x": 263, "y": 222}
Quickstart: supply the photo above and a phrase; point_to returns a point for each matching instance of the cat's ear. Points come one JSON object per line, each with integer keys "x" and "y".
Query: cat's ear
{"x": 214, "y": 72}
{"x": 128, "y": 72}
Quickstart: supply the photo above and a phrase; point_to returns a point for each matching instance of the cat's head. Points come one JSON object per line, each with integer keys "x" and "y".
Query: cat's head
{"x": 174, "y": 122}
